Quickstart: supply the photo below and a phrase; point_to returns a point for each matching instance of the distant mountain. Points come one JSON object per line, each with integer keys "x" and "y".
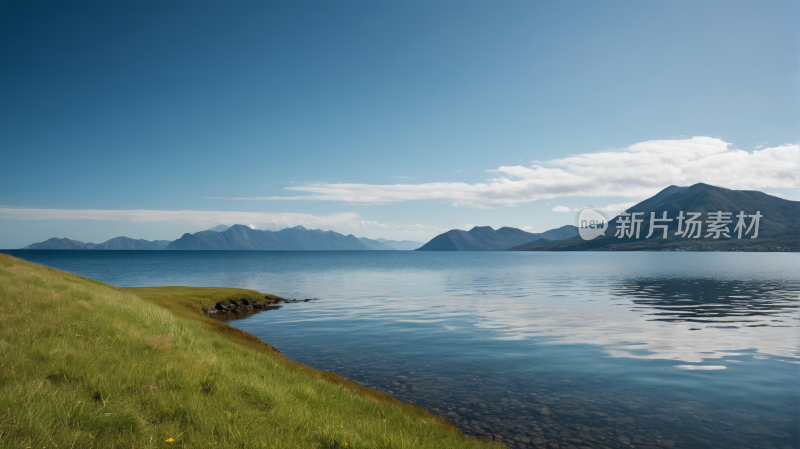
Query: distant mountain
{"x": 375, "y": 244}
{"x": 128, "y": 243}
{"x": 56, "y": 243}
{"x": 401, "y": 245}
{"x": 530, "y": 245}
{"x": 240, "y": 237}
{"x": 779, "y": 226}
{"x": 115, "y": 243}
{"x": 487, "y": 239}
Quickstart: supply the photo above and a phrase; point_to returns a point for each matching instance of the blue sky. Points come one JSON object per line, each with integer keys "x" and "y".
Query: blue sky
{"x": 393, "y": 119}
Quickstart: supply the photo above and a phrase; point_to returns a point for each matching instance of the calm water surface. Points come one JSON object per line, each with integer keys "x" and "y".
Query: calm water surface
{"x": 695, "y": 350}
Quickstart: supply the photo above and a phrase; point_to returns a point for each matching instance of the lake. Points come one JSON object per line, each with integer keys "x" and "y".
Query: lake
{"x": 616, "y": 349}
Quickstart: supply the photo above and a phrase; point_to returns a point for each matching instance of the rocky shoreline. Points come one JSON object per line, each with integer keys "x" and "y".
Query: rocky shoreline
{"x": 244, "y": 307}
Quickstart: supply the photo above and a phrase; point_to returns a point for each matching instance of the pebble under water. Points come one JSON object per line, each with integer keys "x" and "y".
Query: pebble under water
{"x": 568, "y": 350}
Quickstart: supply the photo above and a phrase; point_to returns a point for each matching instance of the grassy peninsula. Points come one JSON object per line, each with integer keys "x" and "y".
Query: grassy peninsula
{"x": 84, "y": 364}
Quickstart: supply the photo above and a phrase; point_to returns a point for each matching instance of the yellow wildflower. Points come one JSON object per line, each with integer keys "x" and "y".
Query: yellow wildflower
{"x": 169, "y": 440}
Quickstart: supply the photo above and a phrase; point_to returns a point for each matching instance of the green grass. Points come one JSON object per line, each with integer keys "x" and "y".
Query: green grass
{"x": 84, "y": 364}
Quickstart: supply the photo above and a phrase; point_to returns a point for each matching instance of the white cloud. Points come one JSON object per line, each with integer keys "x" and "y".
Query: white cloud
{"x": 610, "y": 208}
{"x": 618, "y": 207}
{"x": 260, "y": 219}
{"x": 345, "y": 222}
{"x": 639, "y": 171}
{"x": 779, "y": 195}
{"x": 392, "y": 225}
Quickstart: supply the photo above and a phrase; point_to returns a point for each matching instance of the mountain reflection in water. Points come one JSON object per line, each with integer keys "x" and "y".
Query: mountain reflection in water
{"x": 684, "y": 350}
{"x": 741, "y": 303}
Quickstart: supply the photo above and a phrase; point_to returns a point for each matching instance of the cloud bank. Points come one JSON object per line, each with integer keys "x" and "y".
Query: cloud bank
{"x": 260, "y": 219}
{"x": 343, "y": 221}
{"x": 638, "y": 171}
{"x": 610, "y": 208}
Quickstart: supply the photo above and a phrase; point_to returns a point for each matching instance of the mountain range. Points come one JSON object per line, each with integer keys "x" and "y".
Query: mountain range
{"x": 238, "y": 237}
{"x": 778, "y": 230}
{"x": 484, "y": 238}
{"x": 115, "y": 243}
{"x": 401, "y": 245}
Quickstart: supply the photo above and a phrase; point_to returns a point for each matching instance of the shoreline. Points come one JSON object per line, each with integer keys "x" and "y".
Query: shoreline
{"x": 542, "y": 410}
{"x": 144, "y": 365}
{"x": 236, "y": 309}
{"x": 541, "y": 417}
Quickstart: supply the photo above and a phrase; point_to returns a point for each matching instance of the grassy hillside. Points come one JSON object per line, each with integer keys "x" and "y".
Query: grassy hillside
{"x": 84, "y": 364}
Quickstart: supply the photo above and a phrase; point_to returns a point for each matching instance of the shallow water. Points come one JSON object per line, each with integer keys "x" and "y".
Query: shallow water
{"x": 696, "y": 350}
